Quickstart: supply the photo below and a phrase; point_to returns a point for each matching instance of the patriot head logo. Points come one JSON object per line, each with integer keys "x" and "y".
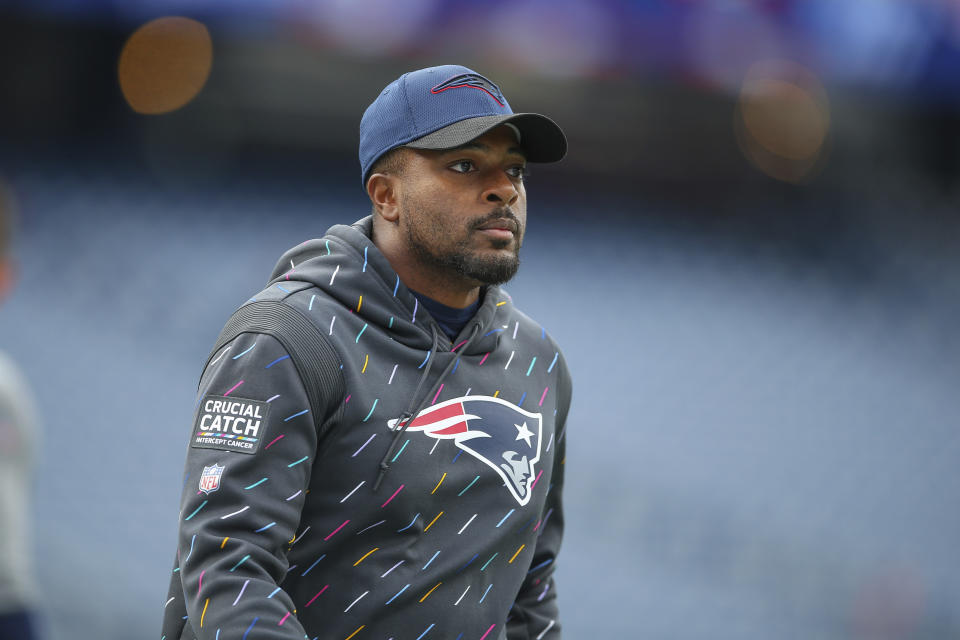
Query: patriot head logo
{"x": 472, "y": 81}
{"x": 501, "y": 435}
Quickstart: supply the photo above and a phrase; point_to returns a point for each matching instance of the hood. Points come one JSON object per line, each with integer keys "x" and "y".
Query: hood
{"x": 347, "y": 266}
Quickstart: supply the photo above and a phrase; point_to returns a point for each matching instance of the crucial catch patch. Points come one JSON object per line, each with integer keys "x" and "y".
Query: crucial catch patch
{"x": 230, "y": 424}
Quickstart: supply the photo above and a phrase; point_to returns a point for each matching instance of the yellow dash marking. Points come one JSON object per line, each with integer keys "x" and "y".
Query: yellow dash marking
{"x": 431, "y": 591}
{"x": 438, "y": 485}
{"x": 516, "y": 554}
{"x": 501, "y": 303}
{"x": 223, "y": 544}
{"x": 204, "y": 612}
{"x": 432, "y": 521}
{"x": 365, "y": 557}
{"x": 355, "y": 632}
{"x": 360, "y": 304}
{"x": 365, "y": 362}
{"x": 496, "y": 393}
{"x": 290, "y": 541}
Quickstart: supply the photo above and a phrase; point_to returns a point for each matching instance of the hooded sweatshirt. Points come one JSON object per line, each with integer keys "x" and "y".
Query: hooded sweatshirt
{"x": 425, "y": 501}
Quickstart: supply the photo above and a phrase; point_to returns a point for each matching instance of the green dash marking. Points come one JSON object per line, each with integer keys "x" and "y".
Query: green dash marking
{"x": 293, "y": 464}
{"x": 468, "y": 486}
{"x": 375, "y": 401}
{"x": 364, "y": 329}
{"x": 531, "y": 365}
{"x": 242, "y": 560}
{"x": 256, "y": 484}
{"x": 489, "y": 561}
{"x": 202, "y": 505}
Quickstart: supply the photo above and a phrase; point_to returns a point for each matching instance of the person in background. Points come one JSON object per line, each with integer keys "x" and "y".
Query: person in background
{"x": 18, "y": 432}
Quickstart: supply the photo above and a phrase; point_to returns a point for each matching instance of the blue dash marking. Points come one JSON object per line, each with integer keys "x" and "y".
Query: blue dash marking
{"x": 490, "y": 332}
{"x": 424, "y": 360}
{"x": 293, "y": 464}
{"x": 191, "y": 547}
{"x": 427, "y": 631}
{"x": 202, "y": 505}
{"x": 313, "y": 565}
{"x": 310, "y": 306}
{"x": 457, "y": 456}
{"x": 276, "y": 361}
{"x": 295, "y": 415}
{"x": 468, "y": 563}
{"x": 390, "y": 326}
{"x": 273, "y": 593}
{"x": 240, "y": 354}
{"x": 255, "y": 484}
{"x": 457, "y": 364}
{"x": 468, "y": 486}
{"x": 485, "y": 593}
{"x": 375, "y": 401}
{"x": 409, "y": 525}
{"x": 328, "y": 247}
{"x": 396, "y": 286}
{"x": 242, "y": 560}
{"x": 509, "y": 513}
{"x": 364, "y": 270}
{"x": 247, "y": 632}
{"x": 543, "y": 333}
{"x": 282, "y": 289}
{"x": 555, "y": 356}
{"x": 401, "y": 450}
{"x": 522, "y": 398}
{"x": 364, "y": 329}
{"x": 531, "y": 366}
{"x": 398, "y": 593}
{"x": 539, "y": 566}
{"x": 430, "y": 560}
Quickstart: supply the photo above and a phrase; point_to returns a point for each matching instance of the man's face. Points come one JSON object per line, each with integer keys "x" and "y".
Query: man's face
{"x": 464, "y": 211}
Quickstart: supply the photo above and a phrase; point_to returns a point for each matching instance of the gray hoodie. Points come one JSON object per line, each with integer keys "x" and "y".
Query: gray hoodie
{"x": 423, "y": 503}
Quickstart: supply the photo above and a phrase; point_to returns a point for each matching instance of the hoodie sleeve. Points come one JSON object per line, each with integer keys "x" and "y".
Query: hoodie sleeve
{"x": 248, "y": 465}
{"x": 535, "y": 613}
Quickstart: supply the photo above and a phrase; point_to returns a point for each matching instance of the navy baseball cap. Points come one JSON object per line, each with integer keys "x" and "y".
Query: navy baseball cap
{"x": 447, "y": 106}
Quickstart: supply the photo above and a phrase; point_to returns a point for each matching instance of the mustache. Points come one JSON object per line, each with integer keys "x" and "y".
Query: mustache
{"x": 501, "y": 213}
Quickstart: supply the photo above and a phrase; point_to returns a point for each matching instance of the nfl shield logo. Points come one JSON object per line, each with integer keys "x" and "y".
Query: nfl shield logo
{"x": 210, "y": 478}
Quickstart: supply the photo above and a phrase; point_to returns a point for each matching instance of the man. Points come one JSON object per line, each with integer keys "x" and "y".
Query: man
{"x": 18, "y": 428}
{"x": 378, "y": 445}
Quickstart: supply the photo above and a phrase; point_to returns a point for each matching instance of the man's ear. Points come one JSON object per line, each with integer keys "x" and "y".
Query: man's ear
{"x": 382, "y": 189}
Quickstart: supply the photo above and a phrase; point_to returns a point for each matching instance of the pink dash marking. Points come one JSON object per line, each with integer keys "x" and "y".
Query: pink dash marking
{"x": 459, "y": 345}
{"x": 484, "y": 359}
{"x": 335, "y": 530}
{"x": 283, "y": 619}
{"x": 538, "y": 526}
{"x": 272, "y": 441}
{"x": 438, "y": 394}
{"x": 348, "y": 399}
{"x": 200, "y": 586}
{"x": 534, "y": 483}
{"x": 392, "y": 497}
{"x": 488, "y": 631}
{"x": 316, "y": 596}
{"x": 233, "y": 388}
{"x": 540, "y": 404}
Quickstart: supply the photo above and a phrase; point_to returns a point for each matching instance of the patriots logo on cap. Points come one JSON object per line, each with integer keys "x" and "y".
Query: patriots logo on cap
{"x": 501, "y": 435}
{"x": 473, "y": 81}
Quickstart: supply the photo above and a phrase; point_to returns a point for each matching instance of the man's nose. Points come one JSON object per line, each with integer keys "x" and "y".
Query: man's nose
{"x": 500, "y": 189}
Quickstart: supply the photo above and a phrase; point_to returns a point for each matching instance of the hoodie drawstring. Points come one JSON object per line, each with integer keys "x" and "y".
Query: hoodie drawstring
{"x": 408, "y": 416}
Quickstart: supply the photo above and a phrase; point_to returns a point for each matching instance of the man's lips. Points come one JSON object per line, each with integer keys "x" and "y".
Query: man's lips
{"x": 501, "y": 227}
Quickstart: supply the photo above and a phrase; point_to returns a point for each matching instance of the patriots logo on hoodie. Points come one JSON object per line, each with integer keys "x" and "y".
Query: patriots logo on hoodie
{"x": 501, "y": 435}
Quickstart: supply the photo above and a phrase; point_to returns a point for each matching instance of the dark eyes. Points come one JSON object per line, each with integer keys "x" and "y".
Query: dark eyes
{"x": 517, "y": 172}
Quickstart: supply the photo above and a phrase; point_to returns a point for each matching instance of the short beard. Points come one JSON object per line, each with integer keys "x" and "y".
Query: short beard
{"x": 484, "y": 270}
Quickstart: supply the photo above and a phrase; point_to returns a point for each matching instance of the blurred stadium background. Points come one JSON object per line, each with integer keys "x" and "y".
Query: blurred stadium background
{"x": 750, "y": 256}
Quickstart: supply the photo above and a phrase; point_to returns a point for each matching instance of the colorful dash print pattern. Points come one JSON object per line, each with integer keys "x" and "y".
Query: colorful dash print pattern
{"x": 290, "y": 539}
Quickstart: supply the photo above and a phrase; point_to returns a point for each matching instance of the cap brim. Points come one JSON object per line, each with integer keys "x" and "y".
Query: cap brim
{"x": 541, "y": 138}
